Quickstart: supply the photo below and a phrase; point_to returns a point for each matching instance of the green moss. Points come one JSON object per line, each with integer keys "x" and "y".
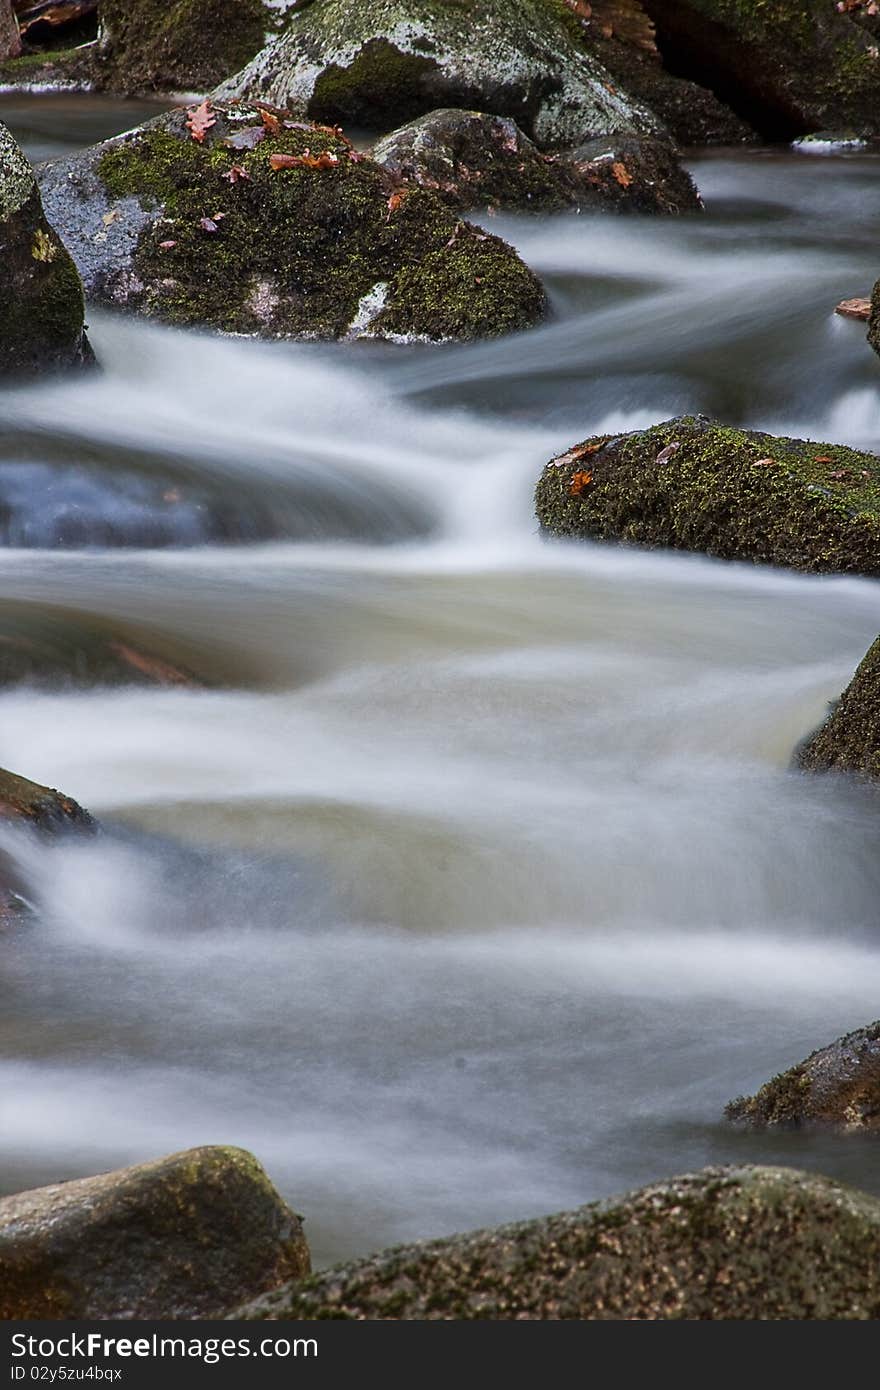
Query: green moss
{"x": 186, "y": 45}
{"x": 383, "y": 87}
{"x": 41, "y": 296}
{"x": 60, "y": 64}
{"x": 293, "y": 251}
{"x": 849, "y": 740}
{"x": 780, "y": 1101}
{"x": 735, "y": 494}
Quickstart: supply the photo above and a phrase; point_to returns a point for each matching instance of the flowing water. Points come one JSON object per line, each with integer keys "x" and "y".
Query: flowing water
{"x": 476, "y": 881}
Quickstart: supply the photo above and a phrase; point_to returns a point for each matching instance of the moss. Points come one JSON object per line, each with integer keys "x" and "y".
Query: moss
{"x": 780, "y": 1101}
{"x": 837, "y": 1087}
{"x": 382, "y": 87}
{"x": 41, "y": 296}
{"x": 60, "y": 65}
{"x": 185, "y": 45}
{"x": 735, "y": 494}
{"x": 295, "y": 250}
{"x": 724, "y": 1243}
{"x": 849, "y": 740}
{"x": 874, "y": 320}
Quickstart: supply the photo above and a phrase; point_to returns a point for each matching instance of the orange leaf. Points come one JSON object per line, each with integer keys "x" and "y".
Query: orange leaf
{"x": 272, "y": 123}
{"x": 306, "y": 160}
{"x": 622, "y": 174}
{"x": 199, "y": 120}
{"x": 578, "y": 483}
{"x": 823, "y": 458}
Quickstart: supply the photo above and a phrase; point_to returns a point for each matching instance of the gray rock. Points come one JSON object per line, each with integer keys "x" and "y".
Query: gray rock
{"x": 183, "y": 1237}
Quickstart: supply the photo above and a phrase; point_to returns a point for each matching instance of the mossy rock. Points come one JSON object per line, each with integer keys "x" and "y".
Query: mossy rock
{"x": 471, "y": 159}
{"x": 44, "y": 808}
{"x": 747, "y": 1242}
{"x": 41, "y": 296}
{"x": 785, "y": 68}
{"x": 182, "y": 1237}
{"x": 691, "y": 484}
{"x": 849, "y": 740}
{"x": 384, "y": 62}
{"x": 181, "y": 46}
{"x": 874, "y": 319}
{"x": 213, "y": 233}
{"x": 837, "y": 1087}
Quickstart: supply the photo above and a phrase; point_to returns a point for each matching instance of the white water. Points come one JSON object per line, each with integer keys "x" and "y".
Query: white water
{"x": 479, "y": 883}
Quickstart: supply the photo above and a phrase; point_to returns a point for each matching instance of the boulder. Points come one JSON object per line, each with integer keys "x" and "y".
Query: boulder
{"x": 240, "y": 218}
{"x": 182, "y": 1237}
{"x": 44, "y": 808}
{"x": 41, "y": 296}
{"x": 471, "y": 159}
{"x": 691, "y": 484}
{"x": 187, "y": 46}
{"x": 384, "y": 62}
{"x": 785, "y": 68}
{"x": 874, "y": 318}
{"x": 837, "y": 1087}
{"x": 849, "y": 740}
{"x": 740, "y": 1243}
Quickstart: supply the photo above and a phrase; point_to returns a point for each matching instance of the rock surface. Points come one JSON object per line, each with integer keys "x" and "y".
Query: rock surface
{"x": 384, "y": 62}
{"x": 271, "y": 226}
{"x": 183, "y": 1237}
{"x": 849, "y": 740}
{"x": 185, "y": 46}
{"x": 691, "y": 484}
{"x": 786, "y": 68}
{"x": 837, "y": 1087}
{"x": 44, "y": 808}
{"x": 744, "y": 1243}
{"x": 41, "y": 297}
{"x": 874, "y": 319}
{"x": 471, "y": 159}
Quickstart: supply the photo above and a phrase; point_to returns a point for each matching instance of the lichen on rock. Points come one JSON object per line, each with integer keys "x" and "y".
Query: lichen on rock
{"x": 385, "y": 62}
{"x": 837, "y": 1087}
{"x": 724, "y": 1243}
{"x": 273, "y": 226}
{"x": 691, "y": 484}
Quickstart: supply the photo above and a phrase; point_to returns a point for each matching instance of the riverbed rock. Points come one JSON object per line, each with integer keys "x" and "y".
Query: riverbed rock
{"x": 744, "y": 1243}
{"x": 837, "y": 1087}
{"x": 258, "y": 223}
{"x": 60, "y": 649}
{"x": 849, "y": 739}
{"x": 190, "y": 46}
{"x": 384, "y": 62}
{"x": 181, "y": 1237}
{"x": 874, "y": 318}
{"x": 471, "y": 159}
{"x": 41, "y": 296}
{"x": 44, "y": 808}
{"x": 785, "y": 68}
{"x": 693, "y": 484}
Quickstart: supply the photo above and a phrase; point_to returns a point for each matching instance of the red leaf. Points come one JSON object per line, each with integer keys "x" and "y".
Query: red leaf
{"x": 235, "y": 174}
{"x": 306, "y": 160}
{"x": 199, "y": 120}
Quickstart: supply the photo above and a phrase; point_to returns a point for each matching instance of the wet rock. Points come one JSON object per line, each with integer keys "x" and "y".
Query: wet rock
{"x": 837, "y": 1087}
{"x": 854, "y": 309}
{"x": 279, "y": 228}
{"x": 385, "y": 62}
{"x": 149, "y": 45}
{"x": 747, "y": 1242}
{"x": 182, "y": 1237}
{"x": 691, "y": 484}
{"x": 874, "y": 319}
{"x": 471, "y": 159}
{"x": 44, "y": 808}
{"x": 51, "y": 650}
{"x": 41, "y": 297}
{"x": 786, "y": 69}
{"x": 849, "y": 740}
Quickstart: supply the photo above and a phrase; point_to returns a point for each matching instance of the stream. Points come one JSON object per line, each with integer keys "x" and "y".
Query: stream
{"x": 475, "y": 881}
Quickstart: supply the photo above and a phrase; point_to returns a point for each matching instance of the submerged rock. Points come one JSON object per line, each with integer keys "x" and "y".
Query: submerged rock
{"x": 182, "y": 1237}
{"x": 748, "y": 1242}
{"x": 60, "y": 649}
{"x": 786, "y": 68}
{"x": 190, "y": 46}
{"x": 837, "y": 1087}
{"x": 41, "y": 297}
{"x": 849, "y": 740}
{"x": 471, "y": 159}
{"x": 257, "y": 223}
{"x": 384, "y": 62}
{"x": 691, "y": 484}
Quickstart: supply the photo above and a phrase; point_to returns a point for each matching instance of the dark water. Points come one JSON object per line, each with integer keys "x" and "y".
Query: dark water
{"x": 478, "y": 883}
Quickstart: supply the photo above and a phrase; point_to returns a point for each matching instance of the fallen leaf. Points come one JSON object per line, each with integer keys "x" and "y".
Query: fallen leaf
{"x": 246, "y": 139}
{"x": 823, "y": 458}
{"x": 207, "y": 224}
{"x": 306, "y": 160}
{"x": 622, "y": 174}
{"x": 763, "y": 463}
{"x": 395, "y": 201}
{"x": 666, "y": 454}
{"x": 854, "y": 308}
{"x": 839, "y": 475}
{"x": 199, "y": 120}
{"x": 579, "y": 482}
{"x": 235, "y": 173}
{"x": 270, "y": 121}
{"x": 110, "y": 217}
{"x": 166, "y": 245}
{"x": 580, "y": 452}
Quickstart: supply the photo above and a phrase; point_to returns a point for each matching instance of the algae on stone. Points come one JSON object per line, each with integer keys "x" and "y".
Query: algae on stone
{"x": 837, "y": 1087}
{"x": 744, "y": 1243}
{"x": 385, "y": 62}
{"x": 691, "y": 484}
{"x": 181, "y": 1237}
{"x": 278, "y": 227}
{"x": 849, "y": 739}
